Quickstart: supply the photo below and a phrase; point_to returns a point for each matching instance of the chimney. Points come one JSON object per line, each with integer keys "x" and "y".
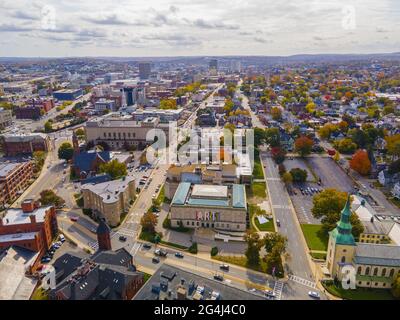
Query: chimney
{"x": 33, "y": 218}
{"x": 28, "y": 205}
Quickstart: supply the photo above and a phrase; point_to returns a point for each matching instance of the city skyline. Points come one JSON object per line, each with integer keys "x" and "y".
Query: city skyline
{"x": 181, "y": 28}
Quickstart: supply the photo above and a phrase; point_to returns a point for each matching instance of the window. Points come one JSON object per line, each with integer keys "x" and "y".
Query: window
{"x": 383, "y": 272}
{"x": 375, "y": 271}
{"x": 391, "y": 273}
{"x": 367, "y": 271}
{"x": 359, "y": 269}
{"x": 343, "y": 259}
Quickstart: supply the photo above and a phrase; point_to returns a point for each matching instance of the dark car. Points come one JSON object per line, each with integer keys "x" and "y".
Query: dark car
{"x": 218, "y": 277}
{"x": 179, "y": 255}
{"x": 147, "y": 246}
{"x": 224, "y": 267}
{"x": 155, "y": 260}
{"x": 122, "y": 238}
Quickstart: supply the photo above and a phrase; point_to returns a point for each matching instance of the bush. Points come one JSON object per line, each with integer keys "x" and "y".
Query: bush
{"x": 214, "y": 251}
{"x": 193, "y": 248}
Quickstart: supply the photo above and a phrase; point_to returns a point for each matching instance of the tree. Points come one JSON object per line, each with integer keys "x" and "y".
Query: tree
{"x": 80, "y": 133}
{"x": 299, "y": 175}
{"x": 66, "y": 151}
{"x": 328, "y": 205}
{"x": 149, "y": 222}
{"x": 275, "y": 240}
{"x": 278, "y": 154}
{"x": 346, "y": 146}
{"x": 336, "y": 157}
{"x": 396, "y": 287}
{"x": 393, "y": 145}
{"x": 48, "y": 197}
{"x": 303, "y": 145}
{"x": 359, "y": 137}
{"x": 310, "y": 107}
{"x": 253, "y": 248}
{"x": 276, "y": 113}
{"x": 361, "y": 163}
{"x": 394, "y": 167}
{"x": 272, "y": 137}
{"x": 114, "y": 168}
{"x": 287, "y": 178}
{"x": 326, "y": 131}
{"x": 274, "y": 262}
{"x": 168, "y": 104}
{"x": 48, "y": 126}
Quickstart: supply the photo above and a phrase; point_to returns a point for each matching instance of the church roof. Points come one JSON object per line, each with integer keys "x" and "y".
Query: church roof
{"x": 377, "y": 254}
{"x": 103, "y": 228}
{"x": 84, "y": 160}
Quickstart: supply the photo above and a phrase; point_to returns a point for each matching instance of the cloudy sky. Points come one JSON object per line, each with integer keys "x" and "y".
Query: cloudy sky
{"x": 191, "y": 27}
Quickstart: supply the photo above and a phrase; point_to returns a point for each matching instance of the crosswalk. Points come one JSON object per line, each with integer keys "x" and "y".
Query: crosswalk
{"x": 302, "y": 281}
{"x": 278, "y": 206}
{"x": 126, "y": 232}
{"x": 135, "y": 249}
{"x": 278, "y": 287}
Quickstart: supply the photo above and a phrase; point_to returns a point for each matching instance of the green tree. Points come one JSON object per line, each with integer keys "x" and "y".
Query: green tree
{"x": 275, "y": 240}
{"x": 276, "y": 113}
{"x": 253, "y": 248}
{"x": 48, "y": 126}
{"x": 168, "y": 104}
{"x": 346, "y": 146}
{"x": 114, "y": 168}
{"x": 328, "y": 205}
{"x": 66, "y": 151}
{"x": 274, "y": 262}
{"x": 48, "y": 197}
{"x": 299, "y": 175}
{"x": 272, "y": 137}
{"x": 80, "y": 133}
{"x": 287, "y": 178}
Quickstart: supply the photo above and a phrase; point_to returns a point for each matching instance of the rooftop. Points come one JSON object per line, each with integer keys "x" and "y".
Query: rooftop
{"x": 377, "y": 254}
{"x": 170, "y": 281}
{"x": 17, "y": 216}
{"x": 7, "y": 168}
{"x": 210, "y": 195}
{"x": 110, "y": 190}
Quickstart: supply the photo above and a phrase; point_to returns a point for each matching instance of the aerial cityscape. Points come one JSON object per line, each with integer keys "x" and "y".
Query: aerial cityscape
{"x": 185, "y": 152}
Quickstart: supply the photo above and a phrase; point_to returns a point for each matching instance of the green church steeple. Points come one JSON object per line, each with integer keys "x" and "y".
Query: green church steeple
{"x": 342, "y": 233}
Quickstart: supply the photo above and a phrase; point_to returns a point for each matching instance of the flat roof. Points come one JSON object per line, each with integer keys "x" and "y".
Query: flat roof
{"x": 209, "y": 191}
{"x": 17, "y": 237}
{"x": 17, "y": 216}
{"x": 7, "y": 168}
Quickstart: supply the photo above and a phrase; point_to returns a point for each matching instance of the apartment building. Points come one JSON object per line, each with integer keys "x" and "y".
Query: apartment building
{"x": 17, "y": 144}
{"x": 14, "y": 179}
{"x": 109, "y": 199}
{"x": 5, "y": 118}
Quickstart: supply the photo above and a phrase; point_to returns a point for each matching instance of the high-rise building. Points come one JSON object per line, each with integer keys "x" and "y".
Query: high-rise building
{"x": 213, "y": 64}
{"x": 144, "y": 70}
{"x": 236, "y": 66}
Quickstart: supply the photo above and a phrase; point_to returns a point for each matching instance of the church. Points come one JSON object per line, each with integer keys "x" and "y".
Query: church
{"x": 376, "y": 264}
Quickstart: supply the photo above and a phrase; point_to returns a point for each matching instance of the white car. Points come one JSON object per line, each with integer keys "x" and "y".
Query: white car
{"x": 314, "y": 294}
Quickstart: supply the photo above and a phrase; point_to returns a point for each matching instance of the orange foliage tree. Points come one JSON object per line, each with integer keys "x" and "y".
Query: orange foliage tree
{"x": 303, "y": 145}
{"x": 361, "y": 163}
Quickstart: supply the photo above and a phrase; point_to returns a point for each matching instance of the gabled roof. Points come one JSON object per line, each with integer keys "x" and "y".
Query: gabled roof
{"x": 84, "y": 160}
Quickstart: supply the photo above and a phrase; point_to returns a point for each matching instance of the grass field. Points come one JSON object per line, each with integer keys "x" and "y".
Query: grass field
{"x": 256, "y": 190}
{"x": 359, "y": 293}
{"x": 316, "y": 239}
{"x": 258, "y": 172}
{"x": 267, "y": 227}
{"x": 255, "y": 210}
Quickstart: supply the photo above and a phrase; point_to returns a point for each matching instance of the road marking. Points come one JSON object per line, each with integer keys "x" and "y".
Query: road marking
{"x": 126, "y": 232}
{"x": 274, "y": 179}
{"x": 302, "y": 281}
{"x": 278, "y": 289}
{"x": 135, "y": 248}
{"x": 278, "y": 206}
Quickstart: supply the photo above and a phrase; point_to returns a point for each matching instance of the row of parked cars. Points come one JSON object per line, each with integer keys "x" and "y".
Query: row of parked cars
{"x": 52, "y": 250}
{"x": 309, "y": 191}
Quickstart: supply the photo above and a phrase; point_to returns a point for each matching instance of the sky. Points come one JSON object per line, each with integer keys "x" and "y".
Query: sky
{"x": 62, "y": 28}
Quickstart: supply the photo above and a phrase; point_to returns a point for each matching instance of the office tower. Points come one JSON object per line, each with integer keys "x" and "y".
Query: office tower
{"x": 144, "y": 70}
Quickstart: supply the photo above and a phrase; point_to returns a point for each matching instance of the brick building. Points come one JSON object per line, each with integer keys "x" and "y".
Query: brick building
{"x": 17, "y": 144}
{"x": 32, "y": 227}
{"x": 14, "y": 179}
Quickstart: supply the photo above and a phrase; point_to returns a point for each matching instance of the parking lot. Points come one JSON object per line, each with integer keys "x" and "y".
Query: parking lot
{"x": 331, "y": 175}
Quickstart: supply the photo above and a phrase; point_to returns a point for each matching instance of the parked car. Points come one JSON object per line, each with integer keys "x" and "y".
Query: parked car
{"x": 314, "y": 294}
{"x": 270, "y": 294}
{"x": 146, "y": 246}
{"x": 155, "y": 260}
{"x": 278, "y": 223}
{"x": 179, "y": 255}
{"x": 74, "y": 219}
{"x": 45, "y": 260}
{"x": 62, "y": 238}
{"x": 122, "y": 238}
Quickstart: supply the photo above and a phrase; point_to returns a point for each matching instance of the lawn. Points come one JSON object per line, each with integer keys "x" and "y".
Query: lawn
{"x": 318, "y": 255}
{"x": 258, "y": 172}
{"x": 255, "y": 210}
{"x": 256, "y": 190}
{"x": 146, "y": 276}
{"x": 315, "y": 237}
{"x": 359, "y": 293}
{"x": 267, "y": 227}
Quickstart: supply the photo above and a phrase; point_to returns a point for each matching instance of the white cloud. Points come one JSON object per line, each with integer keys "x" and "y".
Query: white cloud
{"x": 208, "y": 27}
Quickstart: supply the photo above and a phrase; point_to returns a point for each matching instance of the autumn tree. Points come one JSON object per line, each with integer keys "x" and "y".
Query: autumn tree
{"x": 148, "y": 222}
{"x": 326, "y": 130}
{"x": 287, "y": 178}
{"x": 393, "y": 145}
{"x": 303, "y": 145}
{"x": 396, "y": 287}
{"x": 361, "y": 163}
{"x": 168, "y": 104}
{"x": 346, "y": 146}
{"x": 276, "y": 113}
